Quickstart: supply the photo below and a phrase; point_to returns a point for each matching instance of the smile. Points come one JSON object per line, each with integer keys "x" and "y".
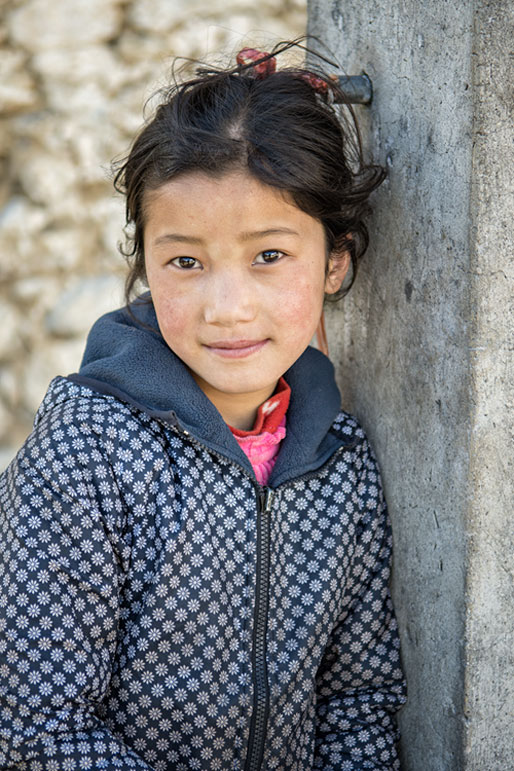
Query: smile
{"x": 235, "y": 349}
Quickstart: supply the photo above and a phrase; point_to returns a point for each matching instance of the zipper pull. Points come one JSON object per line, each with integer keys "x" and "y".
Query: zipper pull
{"x": 266, "y": 500}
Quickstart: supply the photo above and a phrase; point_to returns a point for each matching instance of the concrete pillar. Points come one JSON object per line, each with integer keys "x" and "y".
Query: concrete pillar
{"x": 423, "y": 346}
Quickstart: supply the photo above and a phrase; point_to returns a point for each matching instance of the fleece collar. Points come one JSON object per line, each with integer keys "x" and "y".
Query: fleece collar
{"x": 128, "y": 358}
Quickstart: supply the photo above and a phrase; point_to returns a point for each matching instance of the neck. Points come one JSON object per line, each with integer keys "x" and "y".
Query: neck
{"x": 237, "y": 410}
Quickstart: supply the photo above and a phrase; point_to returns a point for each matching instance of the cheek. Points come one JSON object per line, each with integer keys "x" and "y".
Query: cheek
{"x": 300, "y": 306}
{"x": 174, "y": 313}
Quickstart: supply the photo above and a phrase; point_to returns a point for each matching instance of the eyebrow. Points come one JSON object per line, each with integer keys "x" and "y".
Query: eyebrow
{"x": 269, "y": 232}
{"x": 249, "y": 236}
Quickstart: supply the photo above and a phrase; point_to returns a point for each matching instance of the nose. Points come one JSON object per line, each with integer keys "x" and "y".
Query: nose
{"x": 229, "y": 299}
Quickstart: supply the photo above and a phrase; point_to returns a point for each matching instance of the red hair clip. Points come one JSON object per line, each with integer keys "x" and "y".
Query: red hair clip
{"x": 263, "y": 68}
{"x": 315, "y": 82}
{"x": 318, "y": 84}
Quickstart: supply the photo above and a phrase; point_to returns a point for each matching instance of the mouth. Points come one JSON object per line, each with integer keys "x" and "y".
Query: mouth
{"x": 235, "y": 349}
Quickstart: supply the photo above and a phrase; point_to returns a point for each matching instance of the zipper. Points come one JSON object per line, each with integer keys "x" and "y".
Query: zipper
{"x": 261, "y": 696}
{"x": 260, "y": 711}
{"x": 265, "y": 497}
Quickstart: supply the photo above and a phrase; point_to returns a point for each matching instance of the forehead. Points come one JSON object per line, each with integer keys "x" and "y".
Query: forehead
{"x": 233, "y": 199}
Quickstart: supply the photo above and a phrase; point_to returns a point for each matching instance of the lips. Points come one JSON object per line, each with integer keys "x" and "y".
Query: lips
{"x": 235, "y": 349}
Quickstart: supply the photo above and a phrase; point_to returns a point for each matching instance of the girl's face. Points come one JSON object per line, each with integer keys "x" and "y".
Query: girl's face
{"x": 237, "y": 274}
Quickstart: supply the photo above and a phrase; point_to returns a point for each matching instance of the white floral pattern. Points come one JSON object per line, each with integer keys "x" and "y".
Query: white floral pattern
{"x": 127, "y": 590}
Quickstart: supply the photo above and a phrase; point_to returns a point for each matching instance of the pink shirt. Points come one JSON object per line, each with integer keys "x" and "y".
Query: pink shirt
{"x": 262, "y": 443}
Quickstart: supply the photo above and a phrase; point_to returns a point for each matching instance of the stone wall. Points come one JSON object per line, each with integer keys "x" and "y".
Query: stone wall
{"x": 74, "y": 77}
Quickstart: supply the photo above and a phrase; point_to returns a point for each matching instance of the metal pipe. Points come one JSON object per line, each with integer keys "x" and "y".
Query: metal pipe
{"x": 357, "y": 89}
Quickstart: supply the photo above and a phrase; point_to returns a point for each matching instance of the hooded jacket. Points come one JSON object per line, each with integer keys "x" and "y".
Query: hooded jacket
{"x": 160, "y": 610}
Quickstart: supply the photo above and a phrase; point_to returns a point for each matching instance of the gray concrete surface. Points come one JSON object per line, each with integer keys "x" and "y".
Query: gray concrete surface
{"x": 423, "y": 347}
{"x": 489, "y": 691}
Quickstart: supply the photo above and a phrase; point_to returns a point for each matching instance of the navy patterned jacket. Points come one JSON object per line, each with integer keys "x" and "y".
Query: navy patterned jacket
{"x": 159, "y": 610}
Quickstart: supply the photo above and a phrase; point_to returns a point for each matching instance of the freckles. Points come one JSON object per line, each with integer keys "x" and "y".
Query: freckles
{"x": 172, "y": 315}
{"x": 301, "y": 304}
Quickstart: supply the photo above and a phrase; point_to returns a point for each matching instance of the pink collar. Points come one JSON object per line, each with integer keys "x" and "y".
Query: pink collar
{"x": 262, "y": 443}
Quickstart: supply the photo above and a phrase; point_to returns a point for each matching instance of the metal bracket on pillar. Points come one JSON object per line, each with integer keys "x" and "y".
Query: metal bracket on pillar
{"x": 357, "y": 89}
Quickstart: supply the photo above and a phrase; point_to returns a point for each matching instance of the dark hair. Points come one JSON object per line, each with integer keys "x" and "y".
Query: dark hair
{"x": 286, "y": 132}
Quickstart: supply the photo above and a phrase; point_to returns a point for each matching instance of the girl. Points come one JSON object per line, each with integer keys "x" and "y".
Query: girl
{"x": 196, "y": 546}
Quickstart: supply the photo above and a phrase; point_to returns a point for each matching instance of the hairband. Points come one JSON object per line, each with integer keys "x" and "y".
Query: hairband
{"x": 264, "y": 67}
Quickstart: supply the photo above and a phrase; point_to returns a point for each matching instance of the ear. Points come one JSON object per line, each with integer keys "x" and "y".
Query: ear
{"x": 338, "y": 265}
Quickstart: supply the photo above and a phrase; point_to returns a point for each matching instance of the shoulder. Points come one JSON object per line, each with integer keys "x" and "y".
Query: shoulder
{"x": 358, "y": 457}
{"x": 350, "y": 432}
{"x": 69, "y": 402}
{"x": 77, "y": 428}
{"x": 87, "y": 459}
{"x": 347, "y": 428}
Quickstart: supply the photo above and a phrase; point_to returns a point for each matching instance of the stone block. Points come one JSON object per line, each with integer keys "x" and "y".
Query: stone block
{"x": 18, "y": 91}
{"x": 20, "y": 224}
{"x": 45, "y": 178}
{"x": 78, "y": 307}
{"x": 57, "y": 358}
{"x": 90, "y": 63}
{"x": 7, "y": 453}
{"x": 28, "y": 292}
{"x": 39, "y": 25}
{"x": 151, "y": 16}
{"x": 9, "y": 393}
{"x": 66, "y": 248}
{"x": 9, "y": 331}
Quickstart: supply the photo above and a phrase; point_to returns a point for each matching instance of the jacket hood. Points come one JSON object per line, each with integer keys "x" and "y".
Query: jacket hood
{"x": 127, "y": 357}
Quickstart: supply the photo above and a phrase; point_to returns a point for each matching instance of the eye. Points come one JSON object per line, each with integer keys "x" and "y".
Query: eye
{"x": 268, "y": 256}
{"x": 186, "y": 263}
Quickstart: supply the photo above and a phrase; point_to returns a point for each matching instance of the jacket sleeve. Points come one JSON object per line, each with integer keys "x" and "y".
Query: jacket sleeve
{"x": 61, "y": 575}
{"x": 360, "y": 682}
